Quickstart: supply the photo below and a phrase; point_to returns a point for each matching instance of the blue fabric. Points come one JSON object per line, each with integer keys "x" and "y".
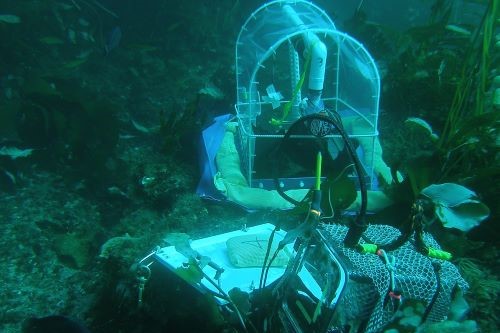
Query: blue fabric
{"x": 211, "y": 139}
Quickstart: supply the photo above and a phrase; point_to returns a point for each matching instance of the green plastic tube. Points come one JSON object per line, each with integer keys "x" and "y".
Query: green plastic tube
{"x": 319, "y": 160}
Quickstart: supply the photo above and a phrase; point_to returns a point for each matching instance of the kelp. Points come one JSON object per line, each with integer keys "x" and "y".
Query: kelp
{"x": 445, "y": 79}
{"x": 468, "y": 101}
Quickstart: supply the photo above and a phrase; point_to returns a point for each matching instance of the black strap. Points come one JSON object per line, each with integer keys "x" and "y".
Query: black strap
{"x": 437, "y": 269}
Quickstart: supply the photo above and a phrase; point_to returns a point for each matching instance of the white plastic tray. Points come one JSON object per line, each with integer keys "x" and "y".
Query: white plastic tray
{"x": 247, "y": 279}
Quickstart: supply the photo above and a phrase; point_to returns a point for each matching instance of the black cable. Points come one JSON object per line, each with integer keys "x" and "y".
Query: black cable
{"x": 268, "y": 250}
{"x": 358, "y": 226}
{"x": 415, "y": 224}
{"x": 275, "y": 254}
{"x": 223, "y": 295}
{"x": 437, "y": 269}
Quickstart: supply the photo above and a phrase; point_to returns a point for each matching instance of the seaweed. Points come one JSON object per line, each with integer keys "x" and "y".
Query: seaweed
{"x": 69, "y": 126}
{"x": 446, "y": 78}
{"x": 176, "y": 126}
{"x": 483, "y": 293}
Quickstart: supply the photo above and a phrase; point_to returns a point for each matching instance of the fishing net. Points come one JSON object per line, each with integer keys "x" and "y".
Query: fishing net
{"x": 416, "y": 277}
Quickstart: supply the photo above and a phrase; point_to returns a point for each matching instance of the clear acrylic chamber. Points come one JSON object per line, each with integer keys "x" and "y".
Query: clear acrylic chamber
{"x": 274, "y": 73}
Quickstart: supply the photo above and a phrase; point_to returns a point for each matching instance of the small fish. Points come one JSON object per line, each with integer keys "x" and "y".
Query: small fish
{"x": 74, "y": 63}
{"x": 140, "y": 128}
{"x": 7, "y": 181}
{"x": 113, "y": 39}
{"x": 442, "y": 65}
{"x": 126, "y": 136}
{"x": 8, "y": 18}
{"x": 458, "y": 30}
{"x": 14, "y": 152}
{"x": 51, "y": 40}
{"x": 116, "y": 191}
{"x": 53, "y": 324}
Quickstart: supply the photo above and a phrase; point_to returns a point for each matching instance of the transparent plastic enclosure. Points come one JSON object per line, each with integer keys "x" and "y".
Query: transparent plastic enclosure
{"x": 272, "y": 65}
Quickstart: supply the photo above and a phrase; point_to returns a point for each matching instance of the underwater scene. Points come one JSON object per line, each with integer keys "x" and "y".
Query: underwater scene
{"x": 249, "y": 166}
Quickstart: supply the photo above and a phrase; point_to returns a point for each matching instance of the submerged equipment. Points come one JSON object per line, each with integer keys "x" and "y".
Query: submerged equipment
{"x": 312, "y": 123}
{"x": 315, "y": 277}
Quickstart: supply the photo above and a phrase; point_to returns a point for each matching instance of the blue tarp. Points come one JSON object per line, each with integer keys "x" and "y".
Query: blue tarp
{"x": 211, "y": 139}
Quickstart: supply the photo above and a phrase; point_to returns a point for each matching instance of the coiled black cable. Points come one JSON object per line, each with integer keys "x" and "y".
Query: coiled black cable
{"x": 358, "y": 226}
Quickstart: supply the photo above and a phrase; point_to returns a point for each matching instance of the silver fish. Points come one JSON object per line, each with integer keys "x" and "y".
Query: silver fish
{"x": 113, "y": 39}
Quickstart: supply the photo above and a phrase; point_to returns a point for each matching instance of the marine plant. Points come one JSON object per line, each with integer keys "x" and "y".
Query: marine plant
{"x": 68, "y": 126}
{"x": 176, "y": 125}
{"x": 484, "y": 289}
{"x": 464, "y": 147}
{"x": 429, "y": 78}
{"x": 470, "y": 121}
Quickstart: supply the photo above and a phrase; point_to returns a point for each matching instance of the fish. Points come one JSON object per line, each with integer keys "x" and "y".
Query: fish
{"x": 8, "y": 18}
{"x": 7, "y": 181}
{"x": 51, "y": 40}
{"x": 458, "y": 30}
{"x": 113, "y": 39}
{"x": 14, "y": 152}
{"x": 53, "y": 324}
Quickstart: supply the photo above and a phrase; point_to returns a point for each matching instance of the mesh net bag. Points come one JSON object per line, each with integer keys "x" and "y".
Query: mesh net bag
{"x": 417, "y": 277}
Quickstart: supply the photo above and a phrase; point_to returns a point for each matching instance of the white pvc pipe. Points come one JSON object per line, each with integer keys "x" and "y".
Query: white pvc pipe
{"x": 315, "y": 46}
